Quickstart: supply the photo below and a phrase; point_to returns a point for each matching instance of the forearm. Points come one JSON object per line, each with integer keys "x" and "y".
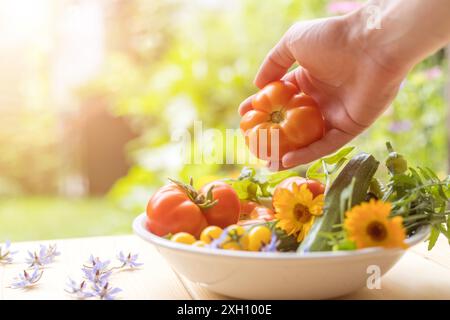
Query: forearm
{"x": 399, "y": 33}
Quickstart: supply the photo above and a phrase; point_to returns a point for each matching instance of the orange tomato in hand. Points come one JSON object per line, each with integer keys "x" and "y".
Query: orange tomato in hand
{"x": 180, "y": 208}
{"x": 280, "y": 105}
{"x": 314, "y": 186}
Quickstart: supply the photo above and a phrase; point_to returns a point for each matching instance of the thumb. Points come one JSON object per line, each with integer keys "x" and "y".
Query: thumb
{"x": 276, "y": 63}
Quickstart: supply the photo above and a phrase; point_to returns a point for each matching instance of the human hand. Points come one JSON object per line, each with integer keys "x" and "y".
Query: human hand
{"x": 352, "y": 83}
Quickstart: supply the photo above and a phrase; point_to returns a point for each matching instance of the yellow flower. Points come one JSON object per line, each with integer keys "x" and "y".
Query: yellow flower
{"x": 369, "y": 225}
{"x": 296, "y": 210}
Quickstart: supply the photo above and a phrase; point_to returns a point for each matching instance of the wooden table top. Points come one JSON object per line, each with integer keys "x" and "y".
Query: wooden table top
{"x": 418, "y": 275}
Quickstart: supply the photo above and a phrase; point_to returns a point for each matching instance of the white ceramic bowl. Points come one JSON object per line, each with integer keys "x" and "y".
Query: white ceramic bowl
{"x": 255, "y": 275}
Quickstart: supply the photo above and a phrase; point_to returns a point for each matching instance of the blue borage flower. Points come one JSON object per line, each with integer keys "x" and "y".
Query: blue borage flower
{"x": 104, "y": 291}
{"x": 96, "y": 274}
{"x": 128, "y": 260}
{"x": 26, "y": 279}
{"x": 6, "y": 254}
{"x": 272, "y": 245}
{"x": 78, "y": 289}
{"x": 217, "y": 243}
{"x": 46, "y": 255}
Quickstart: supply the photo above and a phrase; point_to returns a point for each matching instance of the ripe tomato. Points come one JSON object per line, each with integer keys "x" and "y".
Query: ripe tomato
{"x": 247, "y": 208}
{"x": 226, "y": 211}
{"x": 280, "y": 105}
{"x": 314, "y": 186}
{"x": 180, "y": 208}
{"x": 171, "y": 210}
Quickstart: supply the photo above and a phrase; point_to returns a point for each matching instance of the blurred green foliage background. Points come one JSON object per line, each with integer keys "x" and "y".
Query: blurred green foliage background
{"x": 168, "y": 63}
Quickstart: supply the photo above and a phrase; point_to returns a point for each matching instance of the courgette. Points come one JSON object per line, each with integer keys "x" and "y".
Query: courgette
{"x": 362, "y": 168}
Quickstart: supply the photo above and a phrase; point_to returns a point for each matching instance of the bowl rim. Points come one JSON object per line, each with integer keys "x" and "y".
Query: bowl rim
{"x": 140, "y": 230}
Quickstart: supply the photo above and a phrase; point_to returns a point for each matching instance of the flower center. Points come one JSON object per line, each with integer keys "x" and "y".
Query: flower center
{"x": 276, "y": 116}
{"x": 377, "y": 231}
{"x": 302, "y": 213}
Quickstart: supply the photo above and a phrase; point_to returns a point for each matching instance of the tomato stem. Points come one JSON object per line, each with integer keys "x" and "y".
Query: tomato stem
{"x": 203, "y": 201}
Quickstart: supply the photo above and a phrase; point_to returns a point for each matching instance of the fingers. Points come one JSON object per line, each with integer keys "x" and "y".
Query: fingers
{"x": 275, "y": 64}
{"x": 333, "y": 140}
{"x": 245, "y": 106}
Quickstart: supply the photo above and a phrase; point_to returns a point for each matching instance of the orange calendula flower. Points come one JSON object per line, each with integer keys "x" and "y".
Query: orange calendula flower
{"x": 369, "y": 225}
{"x": 296, "y": 210}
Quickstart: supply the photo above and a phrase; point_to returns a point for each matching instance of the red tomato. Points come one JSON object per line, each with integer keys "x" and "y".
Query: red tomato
{"x": 226, "y": 211}
{"x": 280, "y": 105}
{"x": 180, "y": 208}
{"x": 170, "y": 210}
{"x": 314, "y": 186}
{"x": 247, "y": 207}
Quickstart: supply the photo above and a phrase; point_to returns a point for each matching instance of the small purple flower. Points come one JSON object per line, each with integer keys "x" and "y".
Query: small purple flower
{"x": 272, "y": 245}
{"x": 97, "y": 274}
{"x": 105, "y": 292}
{"x": 45, "y": 256}
{"x": 78, "y": 289}
{"x": 400, "y": 126}
{"x": 95, "y": 262}
{"x": 217, "y": 243}
{"x": 343, "y": 7}
{"x": 26, "y": 280}
{"x": 6, "y": 254}
{"x": 129, "y": 260}
{"x": 433, "y": 73}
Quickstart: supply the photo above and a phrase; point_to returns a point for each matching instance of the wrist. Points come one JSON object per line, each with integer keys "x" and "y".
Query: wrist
{"x": 371, "y": 32}
{"x": 398, "y": 34}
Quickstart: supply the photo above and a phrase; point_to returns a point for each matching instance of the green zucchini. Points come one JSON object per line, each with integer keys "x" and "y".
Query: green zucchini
{"x": 362, "y": 168}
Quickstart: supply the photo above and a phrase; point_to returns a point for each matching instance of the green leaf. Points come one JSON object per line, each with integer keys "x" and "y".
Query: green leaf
{"x": 338, "y": 159}
{"x": 275, "y": 178}
{"x": 434, "y": 235}
{"x": 313, "y": 171}
{"x": 334, "y": 158}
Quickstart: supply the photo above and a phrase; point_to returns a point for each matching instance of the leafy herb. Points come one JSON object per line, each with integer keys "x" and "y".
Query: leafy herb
{"x": 325, "y": 167}
{"x": 421, "y": 198}
{"x": 348, "y": 189}
{"x": 253, "y": 187}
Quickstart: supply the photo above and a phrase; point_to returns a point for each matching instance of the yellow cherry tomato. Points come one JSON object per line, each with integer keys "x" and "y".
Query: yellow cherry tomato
{"x": 231, "y": 245}
{"x": 235, "y": 230}
{"x": 259, "y": 236}
{"x": 244, "y": 241}
{"x": 210, "y": 233}
{"x": 183, "y": 237}
{"x": 199, "y": 243}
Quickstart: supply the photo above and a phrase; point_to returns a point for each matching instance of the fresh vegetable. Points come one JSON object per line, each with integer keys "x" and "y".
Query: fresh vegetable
{"x": 281, "y": 106}
{"x": 358, "y": 171}
{"x": 259, "y": 236}
{"x": 227, "y": 208}
{"x": 178, "y": 207}
{"x": 236, "y": 238}
{"x": 247, "y": 207}
{"x": 421, "y": 198}
{"x": 210, "y": 233}
{"x": 171, "y": 210}
{"x": 183, "y": 237}
{"x": 395, "y": 162}
{"x": 341, "y": 205}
